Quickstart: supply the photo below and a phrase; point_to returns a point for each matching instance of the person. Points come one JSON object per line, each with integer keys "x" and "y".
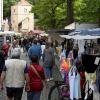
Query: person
{"x": 34, "y": 50}
{"x": 43, "y": 47}
{"x": 5, "y": 48}
{"x": 86, "y": 47}
{"x": 48, "y": 61}
{"x": 14, "y": 73}
{"x": 36, "y": 83}
{"x": 75, "y": 51}
{"x": 2, "y": 61}
{"x": 15, "y": 49}
{"x": 24, "y": 42}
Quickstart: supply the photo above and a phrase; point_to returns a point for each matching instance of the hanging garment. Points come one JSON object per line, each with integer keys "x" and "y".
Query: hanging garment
{"x": 74, "y": 83}
{"x": 62, "y": 55}
{"x": 65, "y": 65}
{"x": 88, "y": 62}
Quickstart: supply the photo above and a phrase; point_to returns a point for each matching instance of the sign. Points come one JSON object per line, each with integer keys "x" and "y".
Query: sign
{"x": 97, "y": 60}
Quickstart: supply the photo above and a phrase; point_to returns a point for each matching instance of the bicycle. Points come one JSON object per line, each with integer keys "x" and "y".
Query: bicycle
{"x": 57, "y": 91}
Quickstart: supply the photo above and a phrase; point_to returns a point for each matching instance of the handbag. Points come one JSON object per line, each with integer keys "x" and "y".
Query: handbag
{"x": 43, "y": 82}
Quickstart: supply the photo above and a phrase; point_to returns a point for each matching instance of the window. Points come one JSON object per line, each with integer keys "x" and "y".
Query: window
{"x": 14, "y": 10}
{"x": 25, "y": 10}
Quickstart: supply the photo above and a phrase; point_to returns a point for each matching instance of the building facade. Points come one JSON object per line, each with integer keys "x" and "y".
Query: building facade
{"x": 1, "y": 14}
{"x": 22, "y": 20}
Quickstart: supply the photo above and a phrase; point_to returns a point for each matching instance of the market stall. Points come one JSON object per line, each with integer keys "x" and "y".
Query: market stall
{"x": 89, "y": 59}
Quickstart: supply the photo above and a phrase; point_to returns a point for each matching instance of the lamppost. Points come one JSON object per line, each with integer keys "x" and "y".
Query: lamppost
{"x": 1, "y": 14}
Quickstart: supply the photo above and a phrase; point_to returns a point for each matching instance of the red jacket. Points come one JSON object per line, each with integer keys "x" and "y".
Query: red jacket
{"x": 35, "y": 82}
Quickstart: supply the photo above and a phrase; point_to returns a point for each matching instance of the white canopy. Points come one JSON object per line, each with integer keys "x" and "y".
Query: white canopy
{"x": 80, "y": 37}
{"x": 66, "y": 36}
{"x": 43, "y": 34}
{"x": 83, "y": 37}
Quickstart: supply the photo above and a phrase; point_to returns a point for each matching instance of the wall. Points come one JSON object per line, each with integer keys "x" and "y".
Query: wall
{"x": 19, "y": 14}
{"x": 1, "y": 13}
{"x": 14, "y": 18}
{"x": 23, "y": 12}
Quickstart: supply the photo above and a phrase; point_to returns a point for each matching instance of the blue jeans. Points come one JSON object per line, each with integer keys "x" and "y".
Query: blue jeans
{"x": 33, "y": 95}
{"x": 48, "y": 72}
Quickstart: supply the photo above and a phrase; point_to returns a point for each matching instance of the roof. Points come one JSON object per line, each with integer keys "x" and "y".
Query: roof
{"x": 93, "y": 32}
{"x": 23, "y": 3}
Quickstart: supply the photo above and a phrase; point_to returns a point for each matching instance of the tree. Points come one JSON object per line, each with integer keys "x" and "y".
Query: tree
{"x": 70, "y": 11}
{"x": 87, "y": 11}
{"x": 50, "y": 13}
{"x": 7, "y": 7}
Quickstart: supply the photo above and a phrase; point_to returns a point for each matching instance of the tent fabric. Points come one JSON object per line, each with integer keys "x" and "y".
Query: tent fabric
{"x": 35, "y": 32}
{"x": 79, "y": 37}
{"x": 83, "y": 34}
{"x": 94, "y": 32}
{"x": 66, "y": 36}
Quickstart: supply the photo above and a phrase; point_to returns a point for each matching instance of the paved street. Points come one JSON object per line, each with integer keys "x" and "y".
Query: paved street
{"x": 56, "y": 76}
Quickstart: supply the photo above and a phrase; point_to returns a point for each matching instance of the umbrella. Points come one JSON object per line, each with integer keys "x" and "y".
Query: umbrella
{"x": 43, "y": 34}
{"x": 37, "y": 31}
{"x": 66, "y": 36}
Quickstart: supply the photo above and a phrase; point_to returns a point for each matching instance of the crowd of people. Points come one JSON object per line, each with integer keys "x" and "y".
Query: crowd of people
{"x": 17, "y": 73}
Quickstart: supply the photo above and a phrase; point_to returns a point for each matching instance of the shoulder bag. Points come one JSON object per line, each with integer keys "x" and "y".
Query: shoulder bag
{"x": 37, "y": 74}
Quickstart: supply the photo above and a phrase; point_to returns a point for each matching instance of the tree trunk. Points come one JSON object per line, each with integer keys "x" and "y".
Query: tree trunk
{"x": 53, "y": 20}
{"x": 99, "y": 17}
{"x": 70, "y": 12}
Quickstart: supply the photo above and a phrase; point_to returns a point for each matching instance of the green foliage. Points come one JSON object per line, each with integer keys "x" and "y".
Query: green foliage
{"x": 50, "y": 13}
{"x": 7, "y": 7}
{"x": 87, "y": 10}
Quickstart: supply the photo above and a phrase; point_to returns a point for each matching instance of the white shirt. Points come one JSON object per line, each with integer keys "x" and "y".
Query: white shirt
{"x": 42, "y": 47}
{"x": 15, "y": 51}
{"x": 15, "y": 72}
